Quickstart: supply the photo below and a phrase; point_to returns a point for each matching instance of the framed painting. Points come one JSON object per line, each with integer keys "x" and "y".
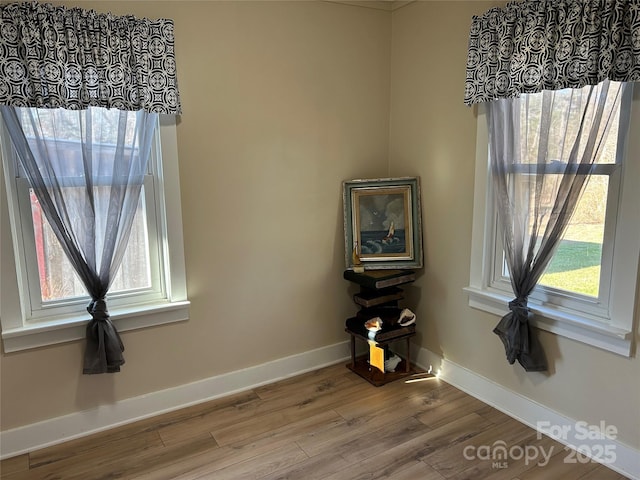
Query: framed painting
{"x": 383, "y": 223}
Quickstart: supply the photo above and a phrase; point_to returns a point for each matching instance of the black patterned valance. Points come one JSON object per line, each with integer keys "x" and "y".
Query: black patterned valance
{"x": 57, "y": 57}
{"x": 534, "y": 45}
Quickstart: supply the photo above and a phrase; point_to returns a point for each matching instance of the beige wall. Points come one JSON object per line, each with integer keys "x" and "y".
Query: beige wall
{"x": 433, "y": 135}
{"x": 281, "y": 102}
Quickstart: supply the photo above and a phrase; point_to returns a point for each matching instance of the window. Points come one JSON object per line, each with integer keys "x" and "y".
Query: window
{"x": 588, "y": 290}
{"x": 43, "y": 301}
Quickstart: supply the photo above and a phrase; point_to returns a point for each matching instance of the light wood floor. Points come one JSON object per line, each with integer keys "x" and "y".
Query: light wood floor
{"x": 325, "y": 425}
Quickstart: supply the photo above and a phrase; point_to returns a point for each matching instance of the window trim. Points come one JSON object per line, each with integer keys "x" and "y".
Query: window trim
{"x": 591, "y": 307}
{"x": 63, "y": 308}
{"x": 614, "y": 335}
{"x": 18, "y": 334}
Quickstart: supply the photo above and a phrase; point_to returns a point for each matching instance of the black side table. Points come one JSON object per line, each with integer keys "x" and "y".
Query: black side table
{"x": 373, "y": 375}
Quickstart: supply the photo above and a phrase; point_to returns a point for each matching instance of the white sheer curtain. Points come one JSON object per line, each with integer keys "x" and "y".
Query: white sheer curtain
{"x": 542, "y": 147}
{"x": 87, "y": 169}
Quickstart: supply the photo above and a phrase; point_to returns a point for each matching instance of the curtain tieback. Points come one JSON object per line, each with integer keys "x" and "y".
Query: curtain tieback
{"x": 98, "y": 309}
{"x": 520, "y": 309}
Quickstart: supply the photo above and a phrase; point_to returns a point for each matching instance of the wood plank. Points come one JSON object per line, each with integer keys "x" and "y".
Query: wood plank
{"x": 427, "y": 393}
{"x": 316, "y": 380}
{"x": 314, "y": 468}
{"x": 159, "y": 459}
{"x": 192, "y": 415}
{"x": 493, "y": 469}
{"x": 382, "y": 466}
{"x": 418, "y": 470}
{"x": 236, "y": 422}
{"x": 273, "y": 416}
{"x": 175, "y": 433}
{"x": 456, "y": 458}
{"x": 329, "y": 424}
{"x": 381, "y": 440}
{"x": 294, "y": 431}
{"x": 230, "y": 455}
{"x": 560, "y": 466}
{"x": 256, "y": 467}
{"x": 15, "y": 464}
{"x": 602, "y": 473}
{"x": 92, "y": 463}
{"x": 352, "y": 430}
{"x": 446, "y": 411}
{"x": 406, "y": 454}
{"x": 493, "y": 414}
{"x": 192, "y": 466}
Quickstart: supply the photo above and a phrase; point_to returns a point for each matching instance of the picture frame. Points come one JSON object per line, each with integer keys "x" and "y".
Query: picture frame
{"x": 383, "y": 223}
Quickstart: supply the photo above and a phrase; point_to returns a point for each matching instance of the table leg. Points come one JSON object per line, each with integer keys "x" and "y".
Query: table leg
{"x": 353, "y": 351}
{"x": 407, "y": 367}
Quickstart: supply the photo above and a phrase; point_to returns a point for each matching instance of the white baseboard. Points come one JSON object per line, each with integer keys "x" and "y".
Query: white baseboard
{"x": 61, "y": 429}
{"x": 616, "y": 455}
{"x": 68, "y": 427}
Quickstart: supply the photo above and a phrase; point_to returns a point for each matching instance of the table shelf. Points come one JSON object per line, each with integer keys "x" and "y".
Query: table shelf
{"x": 360, "y": 365}
{"x": 378, "y": 298}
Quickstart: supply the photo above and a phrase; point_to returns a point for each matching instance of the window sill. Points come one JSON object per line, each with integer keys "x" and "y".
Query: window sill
{"x": 566, "y": 324}
{"x": 73, "y": 328}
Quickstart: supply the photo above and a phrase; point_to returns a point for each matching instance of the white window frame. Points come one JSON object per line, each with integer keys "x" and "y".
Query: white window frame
{"x": 609, "y": 322}
{"x": 22, "y": 329}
